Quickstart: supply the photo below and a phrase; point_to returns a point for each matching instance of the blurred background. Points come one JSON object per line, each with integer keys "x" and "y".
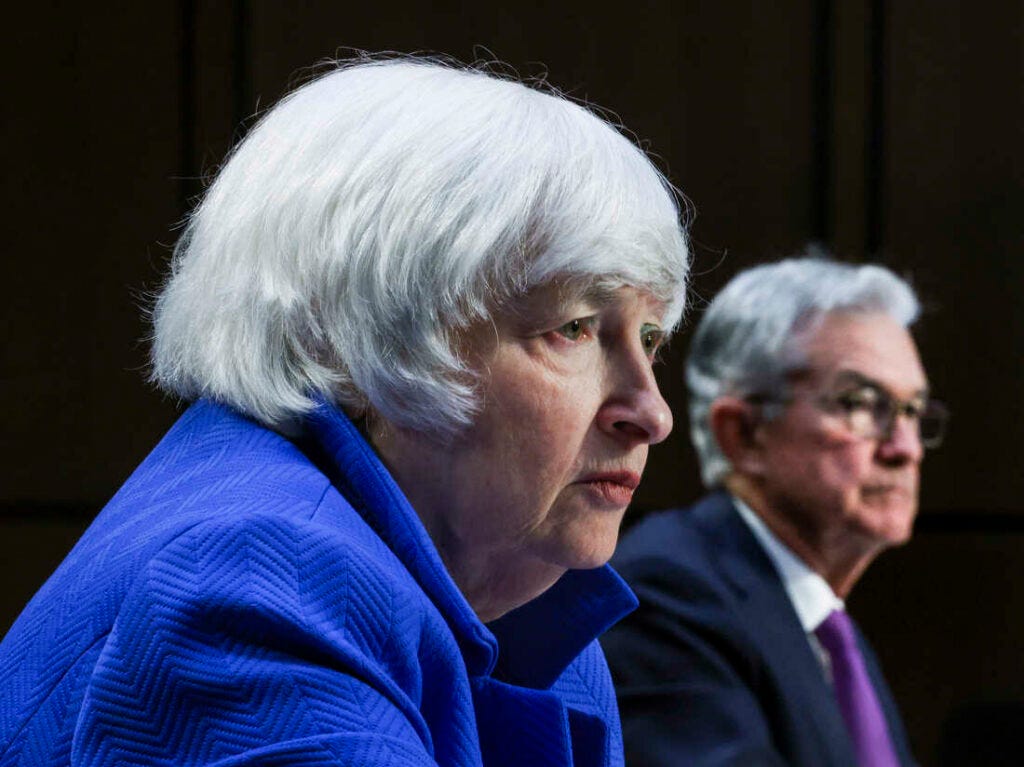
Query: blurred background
{"x": 885, "y": 131}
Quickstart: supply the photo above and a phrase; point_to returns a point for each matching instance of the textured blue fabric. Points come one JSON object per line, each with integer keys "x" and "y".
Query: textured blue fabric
{"x": 245, "y": 599}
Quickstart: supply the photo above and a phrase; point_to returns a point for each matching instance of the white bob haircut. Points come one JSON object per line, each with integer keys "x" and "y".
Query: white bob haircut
{"x": 379, "y": 209}
{"x": 749, "y": 339}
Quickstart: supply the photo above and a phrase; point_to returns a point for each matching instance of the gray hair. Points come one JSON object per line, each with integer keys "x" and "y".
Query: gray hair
{"x": 748, "y": 339}
{"x": 380, "y": 208}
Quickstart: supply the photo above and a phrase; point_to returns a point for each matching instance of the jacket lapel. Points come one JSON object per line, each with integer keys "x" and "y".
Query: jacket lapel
{"x": 767, "y": 613}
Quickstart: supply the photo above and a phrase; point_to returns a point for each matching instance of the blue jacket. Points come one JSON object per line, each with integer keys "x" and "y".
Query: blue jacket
{"x": 714, "y": 668}
{"x": 245, "y": 599}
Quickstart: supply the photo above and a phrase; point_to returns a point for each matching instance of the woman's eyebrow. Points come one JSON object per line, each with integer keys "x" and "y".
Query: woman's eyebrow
{"x": 592, "y": 294}
{"x": 553, "y": 301}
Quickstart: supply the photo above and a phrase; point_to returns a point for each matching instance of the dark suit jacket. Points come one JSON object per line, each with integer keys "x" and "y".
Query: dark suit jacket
{"x": 714, "y": 668}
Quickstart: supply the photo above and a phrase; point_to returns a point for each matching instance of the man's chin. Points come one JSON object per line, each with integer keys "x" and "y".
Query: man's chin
{"x": 890, "y": 526}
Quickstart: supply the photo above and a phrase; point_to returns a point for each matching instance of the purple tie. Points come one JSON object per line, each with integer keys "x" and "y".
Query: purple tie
{"x": 853, "y": 688}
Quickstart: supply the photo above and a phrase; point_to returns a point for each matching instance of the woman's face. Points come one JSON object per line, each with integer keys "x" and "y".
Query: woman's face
{"x": 540, "y": 482}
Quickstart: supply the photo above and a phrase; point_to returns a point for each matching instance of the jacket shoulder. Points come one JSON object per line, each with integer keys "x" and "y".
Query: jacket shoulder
{"x": 226, "y": 548}
{"x": 678, "y": 548}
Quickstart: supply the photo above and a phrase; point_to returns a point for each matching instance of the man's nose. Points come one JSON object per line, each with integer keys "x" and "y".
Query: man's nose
{"x": 903, "y": 443}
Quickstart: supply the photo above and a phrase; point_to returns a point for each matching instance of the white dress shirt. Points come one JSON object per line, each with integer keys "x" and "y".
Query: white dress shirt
{"x": 812, "y": 597}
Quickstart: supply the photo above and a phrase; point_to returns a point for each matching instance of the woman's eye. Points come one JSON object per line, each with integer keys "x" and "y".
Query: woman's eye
{"x": 651, "y": 337}
{"x": 574, "y": 329}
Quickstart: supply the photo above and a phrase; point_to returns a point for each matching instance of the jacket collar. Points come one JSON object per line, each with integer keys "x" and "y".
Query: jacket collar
{"x": 538, "y": 640}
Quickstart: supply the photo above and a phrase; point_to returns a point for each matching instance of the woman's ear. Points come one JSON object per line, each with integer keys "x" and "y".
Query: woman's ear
{"x": 736, "y": 425}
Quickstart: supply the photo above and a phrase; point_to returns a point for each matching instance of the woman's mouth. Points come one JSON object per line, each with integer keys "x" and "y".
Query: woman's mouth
{"x": 613, "y": 487}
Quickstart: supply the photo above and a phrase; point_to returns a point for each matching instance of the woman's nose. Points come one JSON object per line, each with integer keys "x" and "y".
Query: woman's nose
{"x": 634, "y": 409}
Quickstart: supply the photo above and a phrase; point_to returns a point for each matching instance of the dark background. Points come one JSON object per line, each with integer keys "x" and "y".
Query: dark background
{"x": 888, "y": 131}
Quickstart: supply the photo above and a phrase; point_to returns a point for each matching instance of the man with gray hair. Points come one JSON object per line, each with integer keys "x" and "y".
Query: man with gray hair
{"x": 810, "y": 414}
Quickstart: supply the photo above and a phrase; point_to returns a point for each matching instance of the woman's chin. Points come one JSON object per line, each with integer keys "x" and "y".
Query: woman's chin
{"x": 594, "y": 550}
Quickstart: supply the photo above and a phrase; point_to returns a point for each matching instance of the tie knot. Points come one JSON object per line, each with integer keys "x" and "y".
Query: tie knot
{"x": 836, "y": 633}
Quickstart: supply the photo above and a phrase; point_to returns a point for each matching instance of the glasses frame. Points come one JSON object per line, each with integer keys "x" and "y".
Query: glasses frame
{"x": 883, "y": 415}
{"x": 885, "y": 412}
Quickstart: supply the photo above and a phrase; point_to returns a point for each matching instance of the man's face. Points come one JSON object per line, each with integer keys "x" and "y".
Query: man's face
{"x": 817, "y": 472}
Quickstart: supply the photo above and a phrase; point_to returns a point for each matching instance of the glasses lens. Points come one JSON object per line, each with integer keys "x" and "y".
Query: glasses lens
{"x": 866, "y": 422}
{"x": 933, "y": 423}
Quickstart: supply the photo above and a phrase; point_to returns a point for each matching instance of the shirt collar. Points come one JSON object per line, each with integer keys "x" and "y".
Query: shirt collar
{"x": 812, "y": 597}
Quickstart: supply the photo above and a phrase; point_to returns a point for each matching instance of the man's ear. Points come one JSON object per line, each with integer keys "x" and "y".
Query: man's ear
{"x": 736, "y": 424}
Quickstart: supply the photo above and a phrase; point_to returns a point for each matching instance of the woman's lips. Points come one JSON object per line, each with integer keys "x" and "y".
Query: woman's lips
{"x": 614, "y": 487}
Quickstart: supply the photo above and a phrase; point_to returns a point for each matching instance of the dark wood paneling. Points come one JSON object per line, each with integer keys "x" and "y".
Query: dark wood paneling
{"x": 954, "y": 195}
{"x": 944, "y": 614}
{"x": 89, "y": 190}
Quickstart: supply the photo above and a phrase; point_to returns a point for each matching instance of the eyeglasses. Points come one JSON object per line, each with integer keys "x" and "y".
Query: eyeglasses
{"x": 868, "y": 411}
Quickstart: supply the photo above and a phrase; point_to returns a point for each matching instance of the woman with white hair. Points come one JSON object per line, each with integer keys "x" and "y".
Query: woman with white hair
{"x": 416, "y": 312}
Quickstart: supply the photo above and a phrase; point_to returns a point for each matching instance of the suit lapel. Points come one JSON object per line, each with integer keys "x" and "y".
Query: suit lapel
{"x": 767, "y": 613}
